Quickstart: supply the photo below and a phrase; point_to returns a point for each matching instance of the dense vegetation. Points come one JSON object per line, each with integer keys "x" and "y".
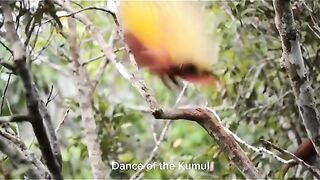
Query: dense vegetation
{"x": 254, "y": 99}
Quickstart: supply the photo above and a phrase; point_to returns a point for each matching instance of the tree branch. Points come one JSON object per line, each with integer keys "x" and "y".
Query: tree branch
{"x": 224, "y": 139}
{"x": 84, "y": 95}
{"x": 65, "y": 116}
{"x": 90, "y": 8}
{"x": 19, "y": 158}
{"x": 19, "y": 143}
{"x": 4, "y": 94}
{"x": 8, "y": 66}
{"x": 14, "y": 118}
{"x": 51, "y": 132}
{"x": 293, "y": 62}
{"x": 32, "y": 98}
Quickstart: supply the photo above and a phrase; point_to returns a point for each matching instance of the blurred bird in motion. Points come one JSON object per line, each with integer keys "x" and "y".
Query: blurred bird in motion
{"x": 170, "y": 39}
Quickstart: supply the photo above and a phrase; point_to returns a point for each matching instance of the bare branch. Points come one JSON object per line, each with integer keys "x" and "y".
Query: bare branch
{"x": 19, "y": 159}
{"x": 43, "y": 47}
{"x": 93, "y": 59}
{"x": 50, "y": 98}
{"x": 254, "y": 80}
{"x": 296, "y": 70}
{"x": 6, "y": 47}
{"x": 8, "y": 66}
{"x": 84, "y": 96}
{"x": 14, "y": 118}
{"x": 89, "y": 8}
{"x": 62, "y": 121}
{"x": 51, "y": 132}
{"x": 19, "y": 143}
{"x": 4, "y": 94}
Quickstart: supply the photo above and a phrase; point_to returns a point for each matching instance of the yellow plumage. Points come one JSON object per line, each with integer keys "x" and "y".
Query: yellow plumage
{"x": 172, "y": 33}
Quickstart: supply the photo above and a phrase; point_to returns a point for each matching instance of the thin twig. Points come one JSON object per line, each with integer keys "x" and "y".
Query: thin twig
{"x": 314, "y": 32}
{"x": 6, "y": 47}
{"x": 102, "y": 65}
{"x": 139, "y": 173}
{"x": 92, "y": 60}
{"x": 88, "y": 8}
{"x": 63, "y": 120}
{"x": 50, "y": 98}
{"x": 100, "y": 56}
{"x": 4, "y": 93}
{"x": 153, "y": 153}
{"x": 55, "y": 67}
{"x": 255, "y": 78}
{"x": 14, "y": 118}
{"x": 45, "y": 46}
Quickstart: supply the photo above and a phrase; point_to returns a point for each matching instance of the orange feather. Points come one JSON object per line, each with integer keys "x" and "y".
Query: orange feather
{"x": 169, "y": 38}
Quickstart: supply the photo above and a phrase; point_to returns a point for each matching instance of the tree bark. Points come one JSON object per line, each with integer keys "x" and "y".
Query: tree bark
{"x": 292, "y": 61}
{"x": 84, "y": 96}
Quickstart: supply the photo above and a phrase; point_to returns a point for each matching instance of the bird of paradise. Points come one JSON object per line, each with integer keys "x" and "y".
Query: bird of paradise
{"x": 169, "y": 38}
